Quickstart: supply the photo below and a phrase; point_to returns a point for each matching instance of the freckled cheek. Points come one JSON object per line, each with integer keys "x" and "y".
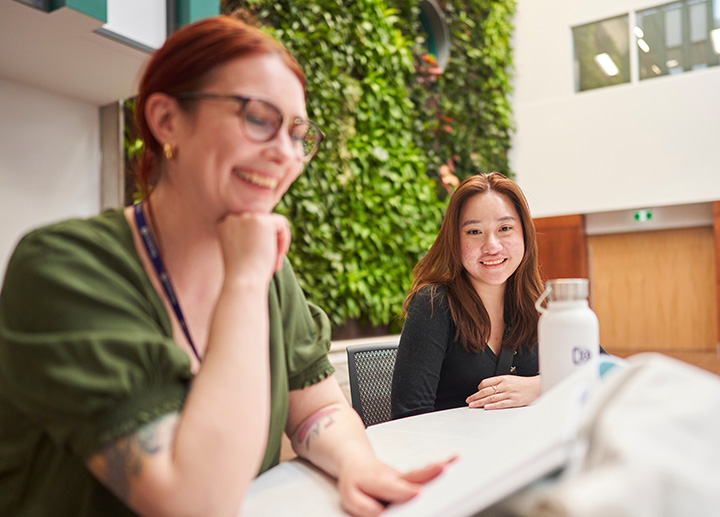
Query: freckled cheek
{"x": 467, "y": 253}
{"x": 518, "y": 249}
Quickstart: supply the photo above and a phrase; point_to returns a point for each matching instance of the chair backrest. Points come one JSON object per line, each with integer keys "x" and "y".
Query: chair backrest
{"x": 370, "y": 369}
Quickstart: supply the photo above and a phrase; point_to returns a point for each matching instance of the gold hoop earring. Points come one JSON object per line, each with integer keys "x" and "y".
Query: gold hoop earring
{"x": 169, "y": 151}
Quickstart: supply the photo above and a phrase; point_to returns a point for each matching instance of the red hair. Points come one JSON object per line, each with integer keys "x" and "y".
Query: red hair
{"x": 442, "y": 265}
{"x": 183, "y": 64}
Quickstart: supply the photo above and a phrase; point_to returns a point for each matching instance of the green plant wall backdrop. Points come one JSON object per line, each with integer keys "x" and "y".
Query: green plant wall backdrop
{"x": 463, "y": 117}
{"x": 370, "y": 204}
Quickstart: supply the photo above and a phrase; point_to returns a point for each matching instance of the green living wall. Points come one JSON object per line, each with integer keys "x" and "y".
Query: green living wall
{"x": 463, "y": 117}
{"x": 370, "y": 203}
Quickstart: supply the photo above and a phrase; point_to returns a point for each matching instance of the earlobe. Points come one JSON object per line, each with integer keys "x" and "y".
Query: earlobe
{"x": 161, "y": 116}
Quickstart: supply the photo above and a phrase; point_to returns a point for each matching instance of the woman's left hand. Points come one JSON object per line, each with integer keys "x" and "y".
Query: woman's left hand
{"x": 505, "y": 391}
{"x": 367, "y": 487}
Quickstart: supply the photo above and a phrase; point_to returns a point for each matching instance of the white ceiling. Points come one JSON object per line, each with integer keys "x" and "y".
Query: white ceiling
{"x": 59, "y": 52}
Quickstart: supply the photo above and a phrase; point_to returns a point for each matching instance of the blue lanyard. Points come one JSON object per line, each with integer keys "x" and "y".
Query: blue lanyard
{"x": 154, "y": 254}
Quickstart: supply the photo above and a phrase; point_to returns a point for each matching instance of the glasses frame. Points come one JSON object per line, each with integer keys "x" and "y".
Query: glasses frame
{"x": 243, "y": 101}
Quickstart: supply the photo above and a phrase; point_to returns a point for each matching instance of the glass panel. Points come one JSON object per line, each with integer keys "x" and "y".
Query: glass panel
{"x": 601, "y": 54}
{"x": 677, "y": 37}
{"x": 698, "y": 22}
{"x": 715, "y": 33}
{"x": 673, "y": 26}
{"x": 651, "y": 43}
{"x": 698, "y": 54}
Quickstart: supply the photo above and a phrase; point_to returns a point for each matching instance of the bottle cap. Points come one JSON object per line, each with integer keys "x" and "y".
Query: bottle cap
{"x": 568, "y": 289}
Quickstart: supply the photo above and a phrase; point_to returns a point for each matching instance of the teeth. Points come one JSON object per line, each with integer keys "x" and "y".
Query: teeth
{"x": 493, "y": 262}
{"x": 257, "y": 179}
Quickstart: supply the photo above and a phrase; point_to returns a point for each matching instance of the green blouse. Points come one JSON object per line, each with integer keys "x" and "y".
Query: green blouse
{"x": 87, "y": 356}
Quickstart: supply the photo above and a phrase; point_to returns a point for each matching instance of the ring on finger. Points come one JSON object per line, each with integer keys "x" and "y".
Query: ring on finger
{"x": 495, "y": 388}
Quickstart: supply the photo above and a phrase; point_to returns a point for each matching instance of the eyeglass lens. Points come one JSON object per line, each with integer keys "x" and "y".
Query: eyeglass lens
{"x": 262, "y": 121}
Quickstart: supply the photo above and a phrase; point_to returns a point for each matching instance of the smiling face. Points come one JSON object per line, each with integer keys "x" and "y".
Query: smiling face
{"x": 216, "y": 163}
{"x": 491, "y": 240}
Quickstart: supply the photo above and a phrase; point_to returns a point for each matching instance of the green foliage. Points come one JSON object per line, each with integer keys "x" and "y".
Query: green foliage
{"x": 464, "y": 114}
{"x": 364, "y": 211}
{"x": 134, "y": 146}
{"x": 366, "y": 208}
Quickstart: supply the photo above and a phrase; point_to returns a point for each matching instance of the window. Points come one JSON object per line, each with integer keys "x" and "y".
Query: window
{"x": 669, "y": 39}
{"x": 678, "y": 37}
{"x": 602, "y": 55}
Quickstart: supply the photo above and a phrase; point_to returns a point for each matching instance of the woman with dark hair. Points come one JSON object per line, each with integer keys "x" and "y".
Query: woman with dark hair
{"x": 152, "y": 357}
{"x": 470, "y": 334}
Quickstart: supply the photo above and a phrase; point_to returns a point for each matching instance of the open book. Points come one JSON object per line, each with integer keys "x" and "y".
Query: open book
{"x": 499, "y": 451}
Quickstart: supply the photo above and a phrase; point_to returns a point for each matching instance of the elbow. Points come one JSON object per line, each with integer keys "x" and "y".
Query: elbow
{"x": 201, "y": 498}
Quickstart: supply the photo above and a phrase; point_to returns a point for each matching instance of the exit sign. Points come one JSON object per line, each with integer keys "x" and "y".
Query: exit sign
{"x": 642, "y": 215}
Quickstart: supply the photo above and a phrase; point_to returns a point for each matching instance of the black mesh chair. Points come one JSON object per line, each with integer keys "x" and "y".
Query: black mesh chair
{"x": 370, "y": 369}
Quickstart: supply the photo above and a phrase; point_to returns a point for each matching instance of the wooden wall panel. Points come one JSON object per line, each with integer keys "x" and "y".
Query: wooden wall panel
{"x": 655, "y": 290}
{"x": 716, "y": 226}
{"x": 562, "y": 247}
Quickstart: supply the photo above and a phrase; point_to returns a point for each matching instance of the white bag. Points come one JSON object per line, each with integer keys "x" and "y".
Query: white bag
{"x": 648, "y": 445}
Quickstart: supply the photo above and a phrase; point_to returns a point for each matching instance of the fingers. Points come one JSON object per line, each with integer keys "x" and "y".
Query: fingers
{"x": 393, "y": 488}
{"x": 283, "y": 241}
{"x": 398, "y": 488}
{"x": 505, "y": 391}
{"x": 355, "y": 502}
{"x": 489, "y": 400}
{"x": 374, "y": 495}
{"x": 505, "y": 403}
{"x": 492, "y": 381}
{"x": 254, "y": 243}
{"x": 490, "y": 390}
{"x": 370, "y": 494}
{"x": 429, "y": 472}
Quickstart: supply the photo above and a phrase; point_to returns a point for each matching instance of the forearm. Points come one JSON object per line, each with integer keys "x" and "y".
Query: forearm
{"x": 333, "y": 438}
{"x": 201, "y": 461}
{"x": 222, "y": 434}
{"x": 330, "y": 434}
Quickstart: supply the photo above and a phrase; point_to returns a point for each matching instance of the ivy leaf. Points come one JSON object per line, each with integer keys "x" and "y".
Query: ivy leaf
{"x": 380, "y": 153}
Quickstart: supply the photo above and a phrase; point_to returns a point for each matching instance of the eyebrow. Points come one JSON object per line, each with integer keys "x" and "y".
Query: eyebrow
{"x": 478, "y": 221}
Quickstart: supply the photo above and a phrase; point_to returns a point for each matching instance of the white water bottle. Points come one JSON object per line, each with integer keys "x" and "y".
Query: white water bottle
{"x": 568, "y": 331}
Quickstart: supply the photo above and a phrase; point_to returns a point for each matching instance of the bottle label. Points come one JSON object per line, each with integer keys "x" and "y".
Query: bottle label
{"x": 580, "y": 355}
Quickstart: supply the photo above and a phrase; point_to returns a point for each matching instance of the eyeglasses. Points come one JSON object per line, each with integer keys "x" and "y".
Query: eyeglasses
{"x": 261, "y": 122}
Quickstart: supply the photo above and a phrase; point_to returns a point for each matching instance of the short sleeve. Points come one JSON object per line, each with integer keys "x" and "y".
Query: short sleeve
{"x": 305, "y": 330}
{"x": 86, "y": 349}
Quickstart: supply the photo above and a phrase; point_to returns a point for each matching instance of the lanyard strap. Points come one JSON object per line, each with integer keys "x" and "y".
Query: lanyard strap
{"x": 154, "y": 254}
{"x": 505, "y": 361}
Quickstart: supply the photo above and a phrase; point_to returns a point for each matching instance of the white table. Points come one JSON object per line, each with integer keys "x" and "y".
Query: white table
{"x": 500, "y": 452}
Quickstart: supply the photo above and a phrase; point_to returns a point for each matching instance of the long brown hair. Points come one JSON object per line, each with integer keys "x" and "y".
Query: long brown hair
{"x": 184, "y": 63}
{"x": 442, "y": 265}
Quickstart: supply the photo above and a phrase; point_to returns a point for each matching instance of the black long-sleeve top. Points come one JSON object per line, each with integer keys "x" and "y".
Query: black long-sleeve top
{"x": 432, "y": 370}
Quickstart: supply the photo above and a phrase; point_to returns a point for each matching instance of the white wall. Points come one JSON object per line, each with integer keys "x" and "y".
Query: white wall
{"x": 643, "y": 144}
{"x": 49, "y": 161}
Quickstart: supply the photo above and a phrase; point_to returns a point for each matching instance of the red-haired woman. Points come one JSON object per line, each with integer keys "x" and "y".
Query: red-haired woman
{"x": 151, "y": 358}
{"x": 470, "y": 334}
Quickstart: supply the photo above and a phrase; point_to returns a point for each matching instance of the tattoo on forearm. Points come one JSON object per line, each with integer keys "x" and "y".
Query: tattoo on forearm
{"x": 313, "y": 425}
{"x": 122, "y": 461}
